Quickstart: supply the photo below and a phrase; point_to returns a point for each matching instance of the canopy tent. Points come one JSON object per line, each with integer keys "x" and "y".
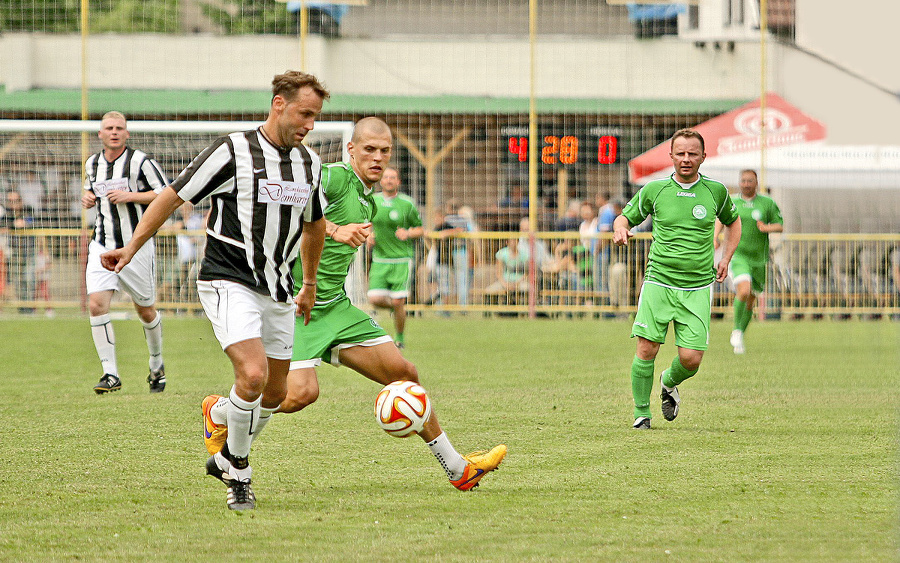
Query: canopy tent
{"x": 820, "y": 188}
{"x": 734, "y": 133}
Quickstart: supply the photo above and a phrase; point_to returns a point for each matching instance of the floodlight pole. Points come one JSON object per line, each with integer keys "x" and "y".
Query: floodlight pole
{"x": 532, "y": 159}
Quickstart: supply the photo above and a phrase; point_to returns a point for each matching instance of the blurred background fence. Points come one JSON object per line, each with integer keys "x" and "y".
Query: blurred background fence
{"x": 502, "y": 111}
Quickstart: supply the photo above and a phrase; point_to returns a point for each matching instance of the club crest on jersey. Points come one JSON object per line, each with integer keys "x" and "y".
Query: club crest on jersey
{"x": 685, "y": 194}
{"x": 283, "y": 192}
{"x": 394, "y": 215}
{"x": 756, "y": 214}
{"x": 699, "y": 212}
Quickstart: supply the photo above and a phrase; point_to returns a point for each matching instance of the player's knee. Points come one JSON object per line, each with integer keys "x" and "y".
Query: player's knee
{"x": 298, "y": 398}
{"x": 406, "y": 372}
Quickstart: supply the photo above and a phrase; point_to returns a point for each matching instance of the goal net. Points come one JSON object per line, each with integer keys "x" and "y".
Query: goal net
{"x": 43, "y": 160}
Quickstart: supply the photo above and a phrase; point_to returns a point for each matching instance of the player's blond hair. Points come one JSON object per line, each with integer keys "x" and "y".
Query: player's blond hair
{"x": 114, "y": 115}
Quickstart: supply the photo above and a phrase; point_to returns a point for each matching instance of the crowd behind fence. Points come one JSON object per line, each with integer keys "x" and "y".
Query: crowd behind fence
{"x": 549, "y": 273}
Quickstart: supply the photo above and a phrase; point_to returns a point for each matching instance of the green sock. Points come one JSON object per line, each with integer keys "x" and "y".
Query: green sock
{"x": 740, "y": 311}
{"x": 676, "y": 374}
{"x": 641, "y": 385}
{"x": 400, "y": 338}
{"x": 748, "y": 314}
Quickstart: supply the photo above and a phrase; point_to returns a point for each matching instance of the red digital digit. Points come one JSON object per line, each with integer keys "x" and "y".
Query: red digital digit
{"x": 606, "y": 149}
{"x": 519, "y": 146}
{"x": 551, "y": 147}
{"x": 568, "y": 149}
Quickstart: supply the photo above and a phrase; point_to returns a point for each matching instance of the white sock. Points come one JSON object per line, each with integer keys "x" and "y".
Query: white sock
{"x": 219, "y": 411}
{"x": 105, "y": 343}
{"x": 264, "y": 416}
{"x": 242, "y": 418}
{"x": 448, "y": 457}
{"x": 153, "y": 333}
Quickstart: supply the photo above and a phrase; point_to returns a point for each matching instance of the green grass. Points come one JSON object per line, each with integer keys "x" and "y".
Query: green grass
{"x": 786, "y": 454}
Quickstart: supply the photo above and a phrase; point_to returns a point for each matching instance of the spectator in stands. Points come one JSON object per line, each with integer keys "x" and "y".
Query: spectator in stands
{"x": 462, "y": 255}
{"x": 542, "y": 256}
{"x": 517, "y": 198}
{"x": 588, "y": 229}
{"x": 439, "y": 261}
{"x": 895, "y": 277}
{"x": 571, "y": 219}
{"x": 32, "y": 191}
{"x": 22, "y": 252}
{"x": 512, "y": 269}
{"x": 606, "y": 214}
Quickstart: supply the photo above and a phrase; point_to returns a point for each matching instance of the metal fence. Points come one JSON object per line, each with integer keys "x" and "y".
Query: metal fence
{"x": 561, "y": 274}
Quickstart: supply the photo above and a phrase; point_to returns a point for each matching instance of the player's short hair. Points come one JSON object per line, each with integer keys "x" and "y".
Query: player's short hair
{"x": 367, "y": 124}
{"x": 288, "y": 84}
{"x": 688, "y": 134}
{"x": 748, "y": 171}
{"x": 114, "y": 115}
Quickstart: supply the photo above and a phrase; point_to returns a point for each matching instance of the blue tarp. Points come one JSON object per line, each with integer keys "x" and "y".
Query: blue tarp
{"x": 646, "y": 12}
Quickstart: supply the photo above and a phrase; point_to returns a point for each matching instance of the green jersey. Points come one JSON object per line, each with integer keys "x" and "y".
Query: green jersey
{"x": 346, "y": 200}
{"x": 684, "y": 219}
{"x": 398, "y": 212}
{"x": 754, "y": 245}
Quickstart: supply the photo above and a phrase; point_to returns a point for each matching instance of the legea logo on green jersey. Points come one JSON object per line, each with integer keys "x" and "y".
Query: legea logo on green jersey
{"x": 699, "y": 212}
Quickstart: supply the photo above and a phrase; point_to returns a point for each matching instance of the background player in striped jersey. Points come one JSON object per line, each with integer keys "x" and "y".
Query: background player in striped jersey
{"x": 340, "y": 333}
{"x": 680, "y": 271}
{"x": 121, "y": 182}
{"x": 395, "y": 227}
{"x": 759, "y": 217}
{"x": 264, "y": 190}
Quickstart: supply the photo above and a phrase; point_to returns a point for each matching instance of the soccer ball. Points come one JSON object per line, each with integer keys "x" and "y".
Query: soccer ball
{"x": 402, "y": 408}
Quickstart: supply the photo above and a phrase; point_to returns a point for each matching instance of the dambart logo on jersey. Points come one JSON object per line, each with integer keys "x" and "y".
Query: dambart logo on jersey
{"x": 283, "y": 192}
{"x": 103, "y": 187}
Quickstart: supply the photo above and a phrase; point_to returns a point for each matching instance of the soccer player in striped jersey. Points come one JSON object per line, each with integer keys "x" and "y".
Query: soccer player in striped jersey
{"x": 759, "y": 217}
{"x": 266, "y": 210}
{"x": 121, "y": 182}
{"x": 680, "y": 271}
{"x": 395, "y": 226}
{"x": 340, "y": 333}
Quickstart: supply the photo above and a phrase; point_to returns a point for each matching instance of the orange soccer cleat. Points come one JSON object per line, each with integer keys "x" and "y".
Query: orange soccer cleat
{"x": 479, "y": 465}
{"x": 214, "y": 435}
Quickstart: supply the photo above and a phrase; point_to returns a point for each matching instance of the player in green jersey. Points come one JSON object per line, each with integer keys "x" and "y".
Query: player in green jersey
{"x": 341, "y": 334}
{"x": 395, "y": 227}
{"x": 759, "y": 217}
{"x": 680, "y": 270}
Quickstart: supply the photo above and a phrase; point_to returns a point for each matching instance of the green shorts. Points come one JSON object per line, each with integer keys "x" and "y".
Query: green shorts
{"x": 688, "y": 309}
{"x": 332, "y": 327}
{"x": 740, "y": 269}
{"x": 390, "y": 278}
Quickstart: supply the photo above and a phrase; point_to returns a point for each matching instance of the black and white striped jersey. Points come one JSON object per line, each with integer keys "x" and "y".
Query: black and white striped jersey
{"x": 132, "y": 171}
{"x": 260, "y": 197}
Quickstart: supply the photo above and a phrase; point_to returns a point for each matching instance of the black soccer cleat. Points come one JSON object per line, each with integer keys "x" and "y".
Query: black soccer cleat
{"x": 240, "y": 496}
{"x": 641, "y": 423}
{"x": 108, "y": 384}
{"x": 212, "y": 468}
{"x": 670, "y": 401}
{"x": 157, "y": 380}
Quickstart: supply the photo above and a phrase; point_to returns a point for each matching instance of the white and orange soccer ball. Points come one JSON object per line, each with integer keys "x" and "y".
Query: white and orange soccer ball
{"x": 402, "y": 408}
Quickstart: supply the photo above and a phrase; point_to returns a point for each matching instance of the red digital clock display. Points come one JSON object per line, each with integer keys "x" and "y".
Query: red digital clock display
{"x": 566, "y": 149}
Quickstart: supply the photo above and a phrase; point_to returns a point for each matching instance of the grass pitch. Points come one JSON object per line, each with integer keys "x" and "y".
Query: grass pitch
{"x": 788, "y": 453}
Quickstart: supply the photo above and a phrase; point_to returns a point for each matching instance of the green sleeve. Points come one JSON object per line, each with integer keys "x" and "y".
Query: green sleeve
{"x": 641, "y": 205}
{"x": 414, "y": 219}
{"x": 727, "y": 212}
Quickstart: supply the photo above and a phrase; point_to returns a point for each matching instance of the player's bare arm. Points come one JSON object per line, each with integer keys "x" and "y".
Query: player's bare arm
{"x": 621, "y": 231}
{"x": 353, "y": 234}
{"x": 717, "y": 234}
{"x": 406, "y": 234}
{"x": 769, "y": 227}
{"x": 732, "y": 238}
{"x": 88, "y": 200}
{"x": 311, "y": 242}
{"x": 152, "y": 219}
{"x": 125, "y": 196}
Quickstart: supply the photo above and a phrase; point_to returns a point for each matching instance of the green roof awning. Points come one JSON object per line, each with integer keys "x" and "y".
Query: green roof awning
{"x": 208, "y": 102}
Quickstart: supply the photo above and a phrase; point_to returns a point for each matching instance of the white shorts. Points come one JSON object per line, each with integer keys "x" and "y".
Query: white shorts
{"x": 238, "y": 313}
{"x": 138, "y": 278}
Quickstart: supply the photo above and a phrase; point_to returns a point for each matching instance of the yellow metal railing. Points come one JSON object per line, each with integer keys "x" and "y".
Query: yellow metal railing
{"x": 807, "y": 274}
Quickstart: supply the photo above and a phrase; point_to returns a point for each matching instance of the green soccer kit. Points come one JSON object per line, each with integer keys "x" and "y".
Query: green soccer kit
{"x": 752, "y": 252}
{"x": 392, "y": 258}
{"x": 347, "y": 200}
{"x": 680, "y": 269}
